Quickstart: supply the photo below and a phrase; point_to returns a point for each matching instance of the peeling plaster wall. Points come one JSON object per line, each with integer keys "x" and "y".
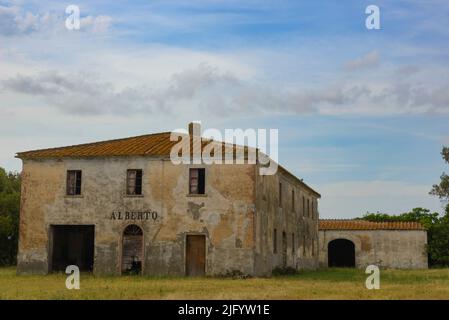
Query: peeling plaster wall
{"x": 400, "y": 249}
{"x": 225, "y": 214}
{"x": 302, "y": 250}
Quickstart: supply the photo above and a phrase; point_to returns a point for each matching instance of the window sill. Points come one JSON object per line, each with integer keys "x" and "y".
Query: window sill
{"x": 133, "y": 196}
{"x": 193, "y": 195}
{"x": 73, "y": 196}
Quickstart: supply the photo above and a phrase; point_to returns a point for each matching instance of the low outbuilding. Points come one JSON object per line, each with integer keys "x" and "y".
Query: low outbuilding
{"x": 359, "y": 243}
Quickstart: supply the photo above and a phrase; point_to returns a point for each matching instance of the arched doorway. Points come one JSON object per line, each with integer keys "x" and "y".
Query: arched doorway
{"x": 132, "y": 250}
{"x": 341, "y": 253}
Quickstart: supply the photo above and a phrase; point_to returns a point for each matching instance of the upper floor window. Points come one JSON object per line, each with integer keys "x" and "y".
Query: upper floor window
{"x": 134, "y": 182}
{"x": 280, "y": 195}
{"x": 303, "y": 206}
{"x": 197, "y": 180}
{"x": 313, "y": 209}
{"x": 73, "y": 182}
{"x": 293, "y": 200}
{"x": 308, "y": 208}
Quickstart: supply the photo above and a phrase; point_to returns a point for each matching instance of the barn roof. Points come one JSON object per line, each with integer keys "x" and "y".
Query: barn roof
{"x": 347, "y": 224}
{"x": 157, "y": 144}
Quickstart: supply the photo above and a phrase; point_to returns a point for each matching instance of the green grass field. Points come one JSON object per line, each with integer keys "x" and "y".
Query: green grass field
{"x": 321, "y": 284}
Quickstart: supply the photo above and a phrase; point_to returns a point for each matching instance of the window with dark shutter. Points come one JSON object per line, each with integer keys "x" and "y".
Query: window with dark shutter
{"x": 197, "y": 181}
{"x": 303, "y": 206}
{"x": 313, "y": 209}
{"x": 73, "y": 182}
{"x": 308, "y": 208}
{"x": 280, "y": 195}
{"x": 293, "y": 200}
{"x": 134, "y": 182}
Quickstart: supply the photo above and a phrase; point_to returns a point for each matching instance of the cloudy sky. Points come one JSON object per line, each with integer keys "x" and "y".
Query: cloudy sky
{"x": 362, "y": 114}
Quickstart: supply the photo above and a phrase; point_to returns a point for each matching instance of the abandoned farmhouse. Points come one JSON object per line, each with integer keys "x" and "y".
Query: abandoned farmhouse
{"x": 122, "y": 206}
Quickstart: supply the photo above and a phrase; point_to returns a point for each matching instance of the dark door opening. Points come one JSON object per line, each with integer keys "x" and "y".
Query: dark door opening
{"x": 132, "y": 250}
{"x": 341, "y": 253}
{"x": 195, "y": 255}
{"x": 72, "y": 245}
{"x": 284, "y": 249}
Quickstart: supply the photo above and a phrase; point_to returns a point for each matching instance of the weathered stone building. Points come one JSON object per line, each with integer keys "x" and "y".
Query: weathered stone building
{"x": 123, "y": 206}
{"x": 359, "y": 243}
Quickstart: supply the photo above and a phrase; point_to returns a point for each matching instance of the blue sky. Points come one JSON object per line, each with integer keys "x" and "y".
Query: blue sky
{"x": 362, "y": 114}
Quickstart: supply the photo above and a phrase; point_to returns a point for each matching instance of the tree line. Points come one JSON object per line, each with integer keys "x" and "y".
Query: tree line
{"x": 9, "y": 216}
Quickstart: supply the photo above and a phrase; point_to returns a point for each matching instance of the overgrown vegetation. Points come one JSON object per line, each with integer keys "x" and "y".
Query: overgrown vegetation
{"x": 9, "y": 216}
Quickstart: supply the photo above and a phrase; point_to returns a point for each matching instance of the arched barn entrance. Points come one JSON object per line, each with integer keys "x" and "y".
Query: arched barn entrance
{"x": 341, "y": 253}
{"x": 132, "y": 250}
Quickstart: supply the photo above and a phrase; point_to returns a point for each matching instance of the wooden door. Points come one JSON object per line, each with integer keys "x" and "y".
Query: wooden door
{"x": 132, "y": 249}
{"x": 195, "y": 255}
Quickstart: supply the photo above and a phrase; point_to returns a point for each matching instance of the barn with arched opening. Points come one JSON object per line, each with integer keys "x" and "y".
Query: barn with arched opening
{"x": 359, "y": 243}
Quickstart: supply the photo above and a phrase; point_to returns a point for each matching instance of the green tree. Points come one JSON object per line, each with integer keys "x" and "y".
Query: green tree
{"x": 422, "y": 215}
{"x": 9, "y": 216}
{"x": 438, "y": 243}
{"x": 442, "y": 189}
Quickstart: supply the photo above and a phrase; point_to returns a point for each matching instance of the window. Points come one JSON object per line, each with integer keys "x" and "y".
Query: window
{"x": 308, "y": 208}
{"x": 280, "y": 195}
{"x": 313, "y": 247}
{"x": 293, "y": 200}
{"x": 293, "y": 244}
{"x": 275, "y": 242}
{"x": 303, "y": 206}
{"x": 197, "y": 181}
{"x": 313, "y": 209}
{"x": 134, "y": 182}
{"x": 73, "y": 182}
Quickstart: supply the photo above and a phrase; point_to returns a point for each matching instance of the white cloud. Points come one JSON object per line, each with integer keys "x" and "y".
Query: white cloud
{"x": 369, "y": 60}
{"x": 373, "y": 189}
{"x": 203, "y": 89}
{"x": 208, "y": 89}
{"x": 393, "y": 197}
{"x": 16, "y": 21}
{"x": 98, "y": 24}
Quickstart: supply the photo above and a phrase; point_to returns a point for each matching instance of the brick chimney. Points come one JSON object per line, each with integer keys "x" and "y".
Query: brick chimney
{"x": 195, "y": 141}
{"x": 195, "y": 129}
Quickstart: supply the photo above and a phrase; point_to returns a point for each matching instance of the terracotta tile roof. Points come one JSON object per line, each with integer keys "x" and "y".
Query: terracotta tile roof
{"x": 157, "y": 144}
{"x": 342, "y": 224}
{"x": 140, "y": 145}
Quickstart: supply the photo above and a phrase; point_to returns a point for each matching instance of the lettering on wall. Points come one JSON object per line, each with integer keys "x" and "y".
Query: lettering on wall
{"x": 134, "y": 215}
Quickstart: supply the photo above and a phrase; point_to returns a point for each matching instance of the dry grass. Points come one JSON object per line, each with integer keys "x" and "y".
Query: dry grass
{"x": 322, "y": 284}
